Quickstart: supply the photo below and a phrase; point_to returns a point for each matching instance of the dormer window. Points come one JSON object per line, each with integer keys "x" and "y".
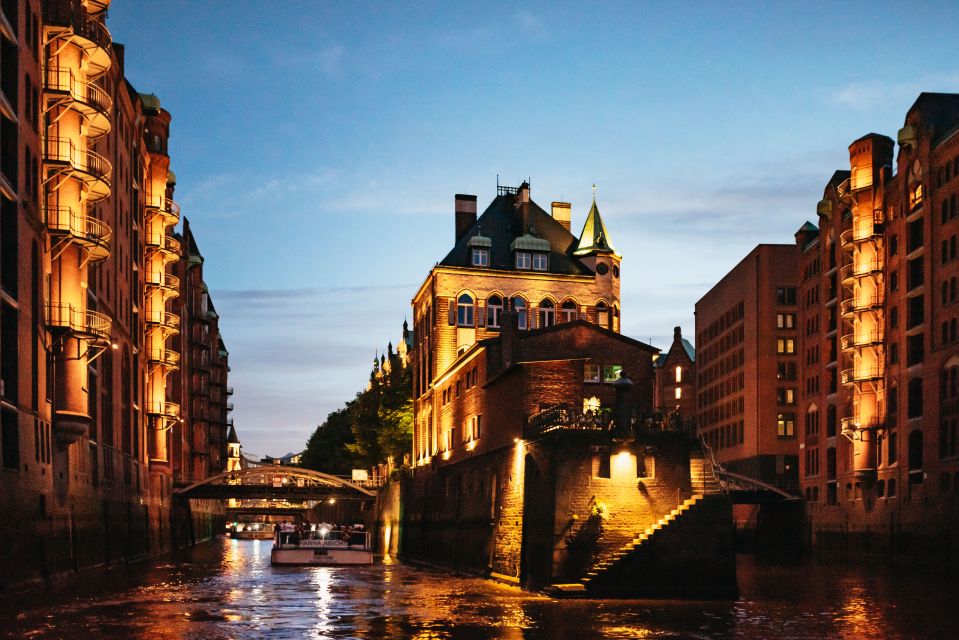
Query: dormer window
{"x": 523, "y": 260}
{"x": 531, "y": 252}
{"x": 540, "y": 262}
{"x": 480, "y": 257}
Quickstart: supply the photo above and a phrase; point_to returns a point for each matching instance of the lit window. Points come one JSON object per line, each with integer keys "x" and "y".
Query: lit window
{"x": 464, "y": 311}
{"x": 679, "y": 374}
{"x": 480, "y": 257}
{"x": 602, "y": 314}
{"x": 786, "y": 425}
{"x": 591, "y": 373}
{"x": 547, "y": 313}
{"x": 785, "y": 320}
{"x": 569, "y": 311}
{"x": 494, "y": 308}
{"x": 611, "y": 372}
{"x": 519, "y": 306}
{"x": 522, "y": 260}
{"x": 539, "y": 262}
{"x": 591, "y": 404}
{"x": 679, "y": 393}
{"x": 785, "y": 345}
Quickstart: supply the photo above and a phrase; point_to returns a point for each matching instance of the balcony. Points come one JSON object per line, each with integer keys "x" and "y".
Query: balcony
{"x": 83, "y": 164}
{"x": 851, "y": 424}
{"x": 164, "y": 207}
{"x": 84, "y": 96}
{"x": 229, "y": 406}
{"x": 168, "y": 322}
{"x": 851, "y": 272}
{"x": 849, "y": 240}
{"x": 95, "y": 236}
{"x": 164, "y": 409}
{"x": 860, "y": 304}
{"x": 855, "y": 341}
{"x": 80, "y": 322}
{"x": 164, "y": 358}
{"x": 167, "y": 246}
{"x": 861, "y": 374}
{"x": 167, "y": 282}
{"x": 229, "y": 391}
{"x": 71, "y": 19}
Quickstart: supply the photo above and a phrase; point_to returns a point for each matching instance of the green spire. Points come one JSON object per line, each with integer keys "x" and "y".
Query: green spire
{"x": 594, "y": 238}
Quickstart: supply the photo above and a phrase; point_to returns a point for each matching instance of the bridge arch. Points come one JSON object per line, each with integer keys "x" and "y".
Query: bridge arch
{"x": 275, "y": 481}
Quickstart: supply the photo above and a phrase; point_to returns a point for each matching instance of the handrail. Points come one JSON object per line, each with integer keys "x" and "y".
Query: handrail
{"x": 83, "y": 91}
{"x": 164, "y": 204}
{"x": 860, "y": 374}
{"x": 163, "y": 408}
{"x": 866, "y": 269}
{"x": 163, "y": 242}
{"x": 73, "y": 14}
{"x": 67, "y": 220}
{"x": 863, "y": 303}
{"x": 163, "y": 279}
{"x": 81, "y": 321}
{"x": 90, "y": 162}
{"x": 713, "y": 463}
{"x": 164, "y": 318}
{"x": 168, "y": 357}
{"x": 853, "y": 340}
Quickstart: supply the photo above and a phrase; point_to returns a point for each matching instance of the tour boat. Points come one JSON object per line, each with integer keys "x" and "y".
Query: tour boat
{"x": 323, "y": 548}
{"x": 251, "y": 531}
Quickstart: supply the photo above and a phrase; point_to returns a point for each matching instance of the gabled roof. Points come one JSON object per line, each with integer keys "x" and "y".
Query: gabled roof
{"x": 502, "y": 224}
{"x": 594, "y": 237}
{"x": 231, "y": 437}
{"x": 939, "y": 112}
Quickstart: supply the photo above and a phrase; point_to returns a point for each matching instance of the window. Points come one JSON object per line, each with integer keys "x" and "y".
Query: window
{"x": 679, "y": 393}
{"x": 522, "y": 260}
{"x": 519, "y": 306}
{"x": 679, "y": 373}
{"x": 547, "y": 313}
{"x": 785, "y": 345}
{"x": 601, "y": 463}
{"x": 602, "y": 314}
{"x": 480, "y": 257}
{"x": 569, "y": 311}
{"x": 494, "y": 309}
{"x": 611, "y": 372}
{"x": 785, "y": 320}
{"x": 786, "y": 370}
{"x": 786, "y": 425}
{"x": 591, "y": 373}
{"x": 786, "y": 396}
{"x": 914, "y": 407}
{"x": 540, "y": 261}
{"x": 464, "y": 311}
{"x": 786, "y": 295}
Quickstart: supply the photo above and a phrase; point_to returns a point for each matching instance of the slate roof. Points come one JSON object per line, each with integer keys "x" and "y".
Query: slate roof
{"x": 231, "y": 437}
{"x": 502, "y": 224}
{"x": 594, "y": 236}
{"x": 690, "y": 350}
{"x": 939, "y": 112}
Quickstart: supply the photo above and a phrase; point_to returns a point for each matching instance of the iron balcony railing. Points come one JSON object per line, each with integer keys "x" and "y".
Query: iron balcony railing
{"x": 80, "y": 159}
{"x": 860, "y": 303}
{"x": 853, "y": 340}
{"x": 165, "y": 357}
{"x": 164, "y": 319}
{"x": 163, "y": 280}
{"x": 848, "y": 239}
{"x": 852, "y": 271}
{"x": 861, "y": 374}
{"x": 83, "y": 322}
{"x": 229, "y": 406}
{"x": 168, "y": 245}
{"x": 163, "y": 408}
{"x": 566, "y": 417}
{"x": 229, "y": 391}
{"x": 851, "y": 423}
{"x": 163, "y": 205}
{"x": 85, "y": 92}
{"x": 94, "y": 234}
{"x": 73, "y": 14}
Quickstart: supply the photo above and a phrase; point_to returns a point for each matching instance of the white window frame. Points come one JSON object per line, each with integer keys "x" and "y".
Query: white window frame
{"x": 523, "y": 260}
{"x": 480, "y": 257}
{"x": 540, "y": 262}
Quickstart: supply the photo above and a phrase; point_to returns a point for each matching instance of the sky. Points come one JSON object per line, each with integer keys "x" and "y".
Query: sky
{"x": 318, "y": 147}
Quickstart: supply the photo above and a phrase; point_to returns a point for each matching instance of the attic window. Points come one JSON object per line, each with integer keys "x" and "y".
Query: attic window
{"x": 540, "y": 261}
{"x": 523, "y": 260}
{"x": 480, "y": 257}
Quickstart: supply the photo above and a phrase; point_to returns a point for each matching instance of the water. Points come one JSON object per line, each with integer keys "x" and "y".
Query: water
{"x": 227, "y": 589}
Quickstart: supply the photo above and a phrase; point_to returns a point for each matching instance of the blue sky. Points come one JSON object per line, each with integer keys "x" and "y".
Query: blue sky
{"x": 318, "y": 146}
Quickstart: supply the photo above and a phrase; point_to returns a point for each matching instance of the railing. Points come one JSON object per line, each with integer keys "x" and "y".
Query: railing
{"x": 860, "y": 303}
{"x": 860, "y": 374}
{"x": 229, "y": 406}
{"x": 166, "y": 357}
{"x": 165, "y": 243}
{"x": 566, "y": 418}
{"x": 80, "y": 321}
{"x": 73, "y": 14}
{"x": 851, "y": 423}
{"x": 848, "y": 239}
{"x": 163, "y": 408}
{"x": 853, "y": 340}
{"x": 163, "y": 280}
{"x": 164, "y": 205}
{"x": 850, "y": 271}
{"x": 88, "y": 228}
{"x": 83, "y": 160}
{"x": 229, "y": 391}
{"x": 164, "y": 319}
{"x": 82, "y": 91}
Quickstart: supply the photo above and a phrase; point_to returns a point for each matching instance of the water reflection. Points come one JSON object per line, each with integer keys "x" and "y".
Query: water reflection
{"x": 228, "y": 589}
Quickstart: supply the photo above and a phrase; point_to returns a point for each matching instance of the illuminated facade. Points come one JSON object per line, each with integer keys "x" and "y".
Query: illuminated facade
{"x": 880, "y": 453}
{"x": 86, "y": 325}
{"x": 676, "y": 379}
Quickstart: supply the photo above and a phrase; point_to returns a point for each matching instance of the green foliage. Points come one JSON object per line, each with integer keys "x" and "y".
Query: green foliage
{"x": 376, "y": 424}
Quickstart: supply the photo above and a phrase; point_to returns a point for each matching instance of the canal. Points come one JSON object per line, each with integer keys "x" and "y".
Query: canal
{"x": 227, "y": 589}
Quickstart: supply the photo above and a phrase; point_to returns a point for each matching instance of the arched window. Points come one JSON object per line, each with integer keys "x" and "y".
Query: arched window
{"x": 602, "y": 314}
{"x": 569, "y": 311}
{"x": 494, "y": 307}
{"x": 547, "y": 313}
{"x": 464, "y": 310}
{"x": 519, "y": 306}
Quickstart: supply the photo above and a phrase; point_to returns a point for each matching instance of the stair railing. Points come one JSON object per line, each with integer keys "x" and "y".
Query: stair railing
{"x": 714, "y": 465}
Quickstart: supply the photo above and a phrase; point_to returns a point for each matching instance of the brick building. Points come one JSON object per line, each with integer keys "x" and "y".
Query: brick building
{"x": 86, "y": 322}
{"x": 880, "y": 453}
{"x": 676, "y": 379}
{"x": 535, "y": 454}
{"x": 746, "y": 367}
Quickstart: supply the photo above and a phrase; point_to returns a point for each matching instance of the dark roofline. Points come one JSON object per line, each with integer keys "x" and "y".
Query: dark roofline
{"x": 585, "y": 323}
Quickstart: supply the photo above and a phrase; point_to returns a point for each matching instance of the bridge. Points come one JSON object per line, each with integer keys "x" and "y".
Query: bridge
{"x": 745, "y": 490}
{"x": 276, "y": 483}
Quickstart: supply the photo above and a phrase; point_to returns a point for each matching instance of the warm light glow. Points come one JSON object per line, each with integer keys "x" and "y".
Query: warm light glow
{"x": 515, "y": 439}
{"x": 591, "y": 404}
{"x": 471, "y": 445}
{"x": 332, "y": 500}
{"x": 679, "y": 393}
{"x": 679, "y": 374}
{"x": 446, "y": 455}
{"x": 623, "y": 465}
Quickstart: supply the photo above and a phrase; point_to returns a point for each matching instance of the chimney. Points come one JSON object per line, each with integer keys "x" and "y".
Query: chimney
{"x": 561, "y": 213}
{"x": 677, "y": 334}
{"x": 522, "y": 203}
{"x": 465, "y": 214}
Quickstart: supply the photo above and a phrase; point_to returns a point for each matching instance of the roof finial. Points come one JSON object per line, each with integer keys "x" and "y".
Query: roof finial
{"x": 594, "y": 192}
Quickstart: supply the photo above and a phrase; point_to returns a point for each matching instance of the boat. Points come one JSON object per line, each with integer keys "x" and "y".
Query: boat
{"x": 322, "y": 547}
{"x": 250, "y": 531}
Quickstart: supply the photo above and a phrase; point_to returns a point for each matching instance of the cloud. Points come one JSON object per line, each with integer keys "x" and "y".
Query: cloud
{"x": 867, "y": 95}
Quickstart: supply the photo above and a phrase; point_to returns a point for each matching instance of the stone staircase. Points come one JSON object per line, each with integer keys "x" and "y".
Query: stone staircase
{"x": 702, "y": 477}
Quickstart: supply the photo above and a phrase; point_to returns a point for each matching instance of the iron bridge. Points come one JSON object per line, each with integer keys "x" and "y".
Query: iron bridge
{"x": 274, "y": 482}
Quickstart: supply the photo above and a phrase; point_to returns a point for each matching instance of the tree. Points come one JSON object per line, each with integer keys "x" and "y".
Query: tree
{"x": 327, "y": 449}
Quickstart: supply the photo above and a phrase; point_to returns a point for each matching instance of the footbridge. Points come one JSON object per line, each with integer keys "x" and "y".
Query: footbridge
{"x": 276, "y": 483}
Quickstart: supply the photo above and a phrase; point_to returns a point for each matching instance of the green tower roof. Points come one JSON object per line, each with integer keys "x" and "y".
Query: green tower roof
{"x": 594, "y": 238}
